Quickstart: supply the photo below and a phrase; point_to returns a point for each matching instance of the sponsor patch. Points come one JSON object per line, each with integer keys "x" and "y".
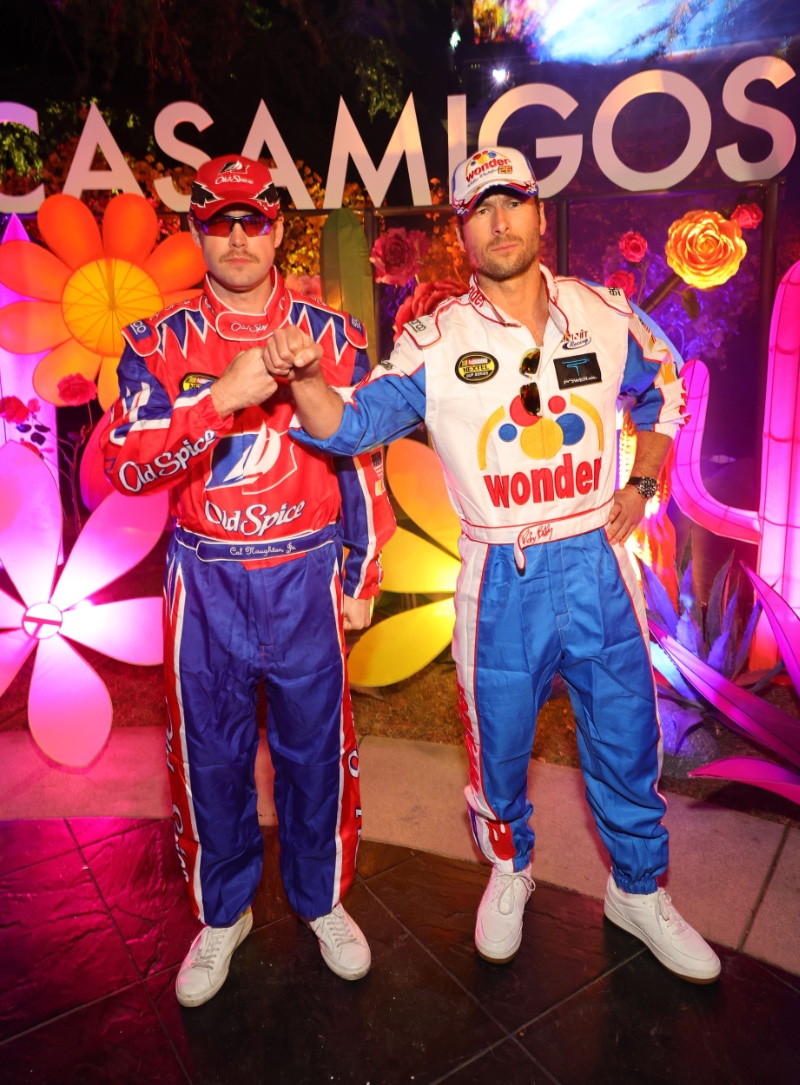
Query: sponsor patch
{"x": 416, "y": 325}
{"x": 579, "y": 340}
{"x": 191, "y": 381}
{"x": 572, "y": 372}
{"x": 475, "y": 368}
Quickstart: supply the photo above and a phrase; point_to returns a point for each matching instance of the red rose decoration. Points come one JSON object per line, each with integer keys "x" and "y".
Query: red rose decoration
{"x": 13, "y": 410}
{"x": 398, "y": 255}
{"x": 748, "y": 215}
{"x": 624, "y": 281}
{"x": 424, "y": 300}
{"x": 75, "y": 390}
{"x": 633, "y": 247}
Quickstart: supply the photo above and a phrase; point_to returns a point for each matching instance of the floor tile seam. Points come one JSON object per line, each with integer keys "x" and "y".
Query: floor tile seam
{"x": 748, "y": 925}
{"x": 512, "y": 1039}
{"x": 368, "y": 878}
{"x": 163, "y": 1025}
{"x": 107, "y": 907}
{"x": 580, "y": 990}
{"x": 770, "y": 967}
{"x": 442, "y": 967}
{"x": 71, "y": 1011}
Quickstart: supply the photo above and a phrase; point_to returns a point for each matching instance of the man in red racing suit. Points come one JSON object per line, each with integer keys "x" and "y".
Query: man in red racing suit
{"x": 254, "y": 589}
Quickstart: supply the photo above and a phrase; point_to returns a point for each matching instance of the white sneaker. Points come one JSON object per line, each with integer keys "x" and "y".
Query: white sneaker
{"x": 654, "y": 919}
{"x": 206, "y": 965}
{"x": 342, "y": 944}
{"x": 498, "y": 930}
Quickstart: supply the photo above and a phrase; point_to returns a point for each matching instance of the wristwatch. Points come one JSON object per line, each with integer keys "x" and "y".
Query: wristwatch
{"x": 647, "y": 487}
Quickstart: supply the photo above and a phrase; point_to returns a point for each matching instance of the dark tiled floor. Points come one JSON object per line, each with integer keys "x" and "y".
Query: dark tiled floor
{"x": 94, "y": 922}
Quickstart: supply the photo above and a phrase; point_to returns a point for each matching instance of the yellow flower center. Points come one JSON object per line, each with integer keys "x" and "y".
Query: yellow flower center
{"x": 100, "y": 298}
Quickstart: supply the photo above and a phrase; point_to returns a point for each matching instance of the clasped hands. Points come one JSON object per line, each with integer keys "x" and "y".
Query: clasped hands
{"x": 252, "y": 377}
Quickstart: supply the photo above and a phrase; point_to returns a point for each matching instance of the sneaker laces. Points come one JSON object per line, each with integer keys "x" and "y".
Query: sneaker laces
{"x": 503, "y": 890}
{"x": 339, "y": 928}
{"x": 209, "y": 947}
{"x": 669, "y": 913}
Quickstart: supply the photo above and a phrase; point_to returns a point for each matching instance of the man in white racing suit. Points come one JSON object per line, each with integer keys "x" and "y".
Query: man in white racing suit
{"x": 517, "y": 382}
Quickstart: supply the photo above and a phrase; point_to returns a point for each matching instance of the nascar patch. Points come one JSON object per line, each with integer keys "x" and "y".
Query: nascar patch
{"x": 475, "y": 368}
{"x": 192, "y": 381}
{"x": 574, "y": 371}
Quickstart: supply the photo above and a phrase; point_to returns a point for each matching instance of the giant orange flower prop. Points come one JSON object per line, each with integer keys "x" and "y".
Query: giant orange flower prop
{"x": 87, "y": 286}
{"x": 704, "y": 248}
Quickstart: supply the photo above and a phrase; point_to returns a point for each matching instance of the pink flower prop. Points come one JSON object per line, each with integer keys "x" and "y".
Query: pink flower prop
{"x": 424, "y": 300}
{"x": 624, "y": 281}
{"x": 14, "y": 410}
{"x": 75, "y": 389}
{"x": 69, "y": 709}
{"x": 748, "y": 215}
{"x": 633, "y": 246}
{"x": 398, "y": 255}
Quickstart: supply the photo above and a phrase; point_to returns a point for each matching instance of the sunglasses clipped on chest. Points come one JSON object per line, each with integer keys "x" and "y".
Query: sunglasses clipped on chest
{"x": 223, "y": 225}
{"x": 529, "y": 392}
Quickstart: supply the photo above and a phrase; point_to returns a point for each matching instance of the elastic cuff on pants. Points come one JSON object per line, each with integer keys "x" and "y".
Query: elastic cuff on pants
{"x": 640, "y": 886}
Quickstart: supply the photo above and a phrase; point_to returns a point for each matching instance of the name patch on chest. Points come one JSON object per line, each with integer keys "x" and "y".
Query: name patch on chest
{"x": 576, "y": 370}
{"x": 475, "y": 368}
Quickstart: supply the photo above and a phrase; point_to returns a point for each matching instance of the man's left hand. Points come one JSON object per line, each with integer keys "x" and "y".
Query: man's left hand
{"x": 626, "y": 512}
{"x": 357, "y": 612}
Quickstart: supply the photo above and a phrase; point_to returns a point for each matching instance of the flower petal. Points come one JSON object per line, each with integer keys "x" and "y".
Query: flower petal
{"x": 70, "y": 357}
{"x": 95, "y": 486}
{"x": 107, "y": 382}
{"x": 31, "y": 270}
{"x": 128, "y": 630}
{"x": 69, "y": 228}
{"x": 30, "y": 522}
{"x": 130, "y": 228}
{"x": 412, "y": 564}
{"x": 402, "y": 645}
{"x": 118, "y": 534}
{"x": 69, "y": 709}
{"x": 30, "y": 326}
{"x": 176, "y": 264}
{"x": 181, "y": 295}
{"x": 15, "y": 647}
{"x": 416, "y": 480}
{"x": 11, "y": 611}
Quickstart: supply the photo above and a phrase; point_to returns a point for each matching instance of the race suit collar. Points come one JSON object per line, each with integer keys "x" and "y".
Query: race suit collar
{"x": 249, "y": 327}
{"x": 488, "y": 311}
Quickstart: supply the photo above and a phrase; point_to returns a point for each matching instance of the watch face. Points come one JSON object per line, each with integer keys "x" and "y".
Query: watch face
{"x": 648, "y": 487}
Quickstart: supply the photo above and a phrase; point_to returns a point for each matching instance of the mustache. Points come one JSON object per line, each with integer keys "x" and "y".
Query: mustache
{"x": 242, "y": 254}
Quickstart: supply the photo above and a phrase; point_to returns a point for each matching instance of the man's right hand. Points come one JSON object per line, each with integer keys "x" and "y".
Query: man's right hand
{"x": 244, "y": 383}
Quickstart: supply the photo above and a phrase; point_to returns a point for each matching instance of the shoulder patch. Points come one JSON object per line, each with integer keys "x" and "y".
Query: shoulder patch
{"x": 142, "y": 336}
{"x": 422, "y": 330}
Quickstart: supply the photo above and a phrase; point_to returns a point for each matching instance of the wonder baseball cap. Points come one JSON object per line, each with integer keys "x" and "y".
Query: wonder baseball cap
{"x": 493, "y": 167}
{"x": 230, "y": 180}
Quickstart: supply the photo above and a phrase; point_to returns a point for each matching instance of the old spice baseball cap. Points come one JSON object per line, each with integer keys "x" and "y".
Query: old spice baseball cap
{"x": 230, "y": 180}
{"x": 492, "y": 167}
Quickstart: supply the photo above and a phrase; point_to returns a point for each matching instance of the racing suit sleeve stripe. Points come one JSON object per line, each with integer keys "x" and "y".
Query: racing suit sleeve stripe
{"x": 150, "y": 437}
{"x": 659, "y": 393}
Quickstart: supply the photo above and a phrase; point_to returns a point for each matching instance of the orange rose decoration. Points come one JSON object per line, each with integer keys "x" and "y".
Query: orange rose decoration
{"x": 704, "y": 248}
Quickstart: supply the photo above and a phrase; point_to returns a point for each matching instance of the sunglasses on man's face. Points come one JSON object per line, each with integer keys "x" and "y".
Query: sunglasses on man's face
{"x": 529, "y": 393}
{"x": 222, "y": 225}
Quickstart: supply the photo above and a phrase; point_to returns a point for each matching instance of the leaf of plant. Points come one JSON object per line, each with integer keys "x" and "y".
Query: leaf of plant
{"x": 668, "y": 670}
{"x": 716, "y": 604}
{"x": 747, "y": 637}
{"x": 743, "y": 711}
{"x": 686, "y": 556}
{"x": 784, "y": 622}
{"x": 658, "y": 599}
{"x": 755, "y": 771}
{"x": 721, "y": 652}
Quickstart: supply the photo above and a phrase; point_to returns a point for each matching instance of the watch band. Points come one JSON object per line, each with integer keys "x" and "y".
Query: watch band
{"x": 647, "y": 486}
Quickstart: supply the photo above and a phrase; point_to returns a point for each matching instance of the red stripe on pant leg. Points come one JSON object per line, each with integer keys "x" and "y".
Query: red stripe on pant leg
{"x": 186, "y": 842}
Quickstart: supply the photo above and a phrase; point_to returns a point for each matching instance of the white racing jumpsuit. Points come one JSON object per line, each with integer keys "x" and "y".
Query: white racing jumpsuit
{"x": 541, "y": 589}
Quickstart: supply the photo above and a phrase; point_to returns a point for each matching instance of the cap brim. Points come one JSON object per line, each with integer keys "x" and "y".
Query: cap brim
{"x": 509, "y": 186}
{"x": 213, "y": 207}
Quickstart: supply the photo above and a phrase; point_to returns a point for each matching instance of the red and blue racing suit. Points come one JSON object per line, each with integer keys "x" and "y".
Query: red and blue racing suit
{"x": 253, "y": 592}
